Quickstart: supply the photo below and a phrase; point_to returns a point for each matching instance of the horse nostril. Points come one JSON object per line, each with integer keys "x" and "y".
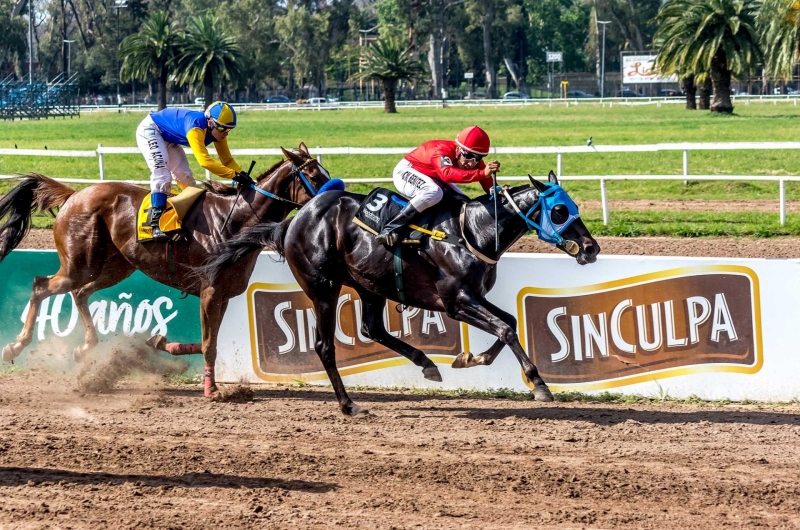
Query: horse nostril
{"x": 590, "y": 250}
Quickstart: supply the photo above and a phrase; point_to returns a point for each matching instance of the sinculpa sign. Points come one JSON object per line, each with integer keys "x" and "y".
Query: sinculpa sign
{"x": 664, "y": 324}
{"x": 136, "y": 308}
{"x": 283, "y": 329}
{"x": 715, "y": 328}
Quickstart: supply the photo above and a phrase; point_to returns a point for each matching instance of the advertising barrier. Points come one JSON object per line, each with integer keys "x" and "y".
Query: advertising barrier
{"x": 711, "y": 327}
{"x": 135, "y": 309}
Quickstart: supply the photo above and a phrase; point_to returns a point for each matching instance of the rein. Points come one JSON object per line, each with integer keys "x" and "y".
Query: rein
{"x": 297, "y": 170}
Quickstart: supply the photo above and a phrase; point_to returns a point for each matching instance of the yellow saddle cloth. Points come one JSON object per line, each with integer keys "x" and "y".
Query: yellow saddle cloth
{"x": 177, "y": 207}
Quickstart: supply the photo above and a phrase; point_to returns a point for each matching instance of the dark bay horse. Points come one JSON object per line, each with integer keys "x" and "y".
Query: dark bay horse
{"x": 95, "y": 235}
{"x": 326, "y": 250}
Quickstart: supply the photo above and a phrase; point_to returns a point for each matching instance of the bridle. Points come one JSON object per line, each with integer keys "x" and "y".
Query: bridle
{"x": 296, "y": 170}
{"x": 546, "y": 229}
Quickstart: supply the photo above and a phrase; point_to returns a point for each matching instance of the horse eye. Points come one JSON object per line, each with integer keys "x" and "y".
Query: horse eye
{"x": 560, "y": 214}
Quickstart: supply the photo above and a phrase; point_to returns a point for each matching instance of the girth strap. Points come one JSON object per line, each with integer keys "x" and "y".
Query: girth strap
{"x": 398, "y": 273}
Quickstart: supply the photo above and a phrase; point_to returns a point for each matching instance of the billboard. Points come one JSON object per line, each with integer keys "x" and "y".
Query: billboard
{"x": 640, "y": 69}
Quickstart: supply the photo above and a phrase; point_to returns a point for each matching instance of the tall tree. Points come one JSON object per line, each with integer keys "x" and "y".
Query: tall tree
{"x": 208, "y": 55}
{"x": 13, "y": 38}
{"x": 389, "y": 62}
{"x": 152, "y": 52}
{"x": 714, "y": 36}
{"x": 779, "y": 25}
{"x": 303, "y": 33}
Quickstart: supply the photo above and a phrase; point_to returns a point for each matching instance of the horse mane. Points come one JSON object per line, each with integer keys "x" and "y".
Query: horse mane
{"x": 222, "y": 188}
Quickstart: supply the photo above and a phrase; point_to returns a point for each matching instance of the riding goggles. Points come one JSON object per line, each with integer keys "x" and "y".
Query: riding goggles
{"x": 470, "y": 155}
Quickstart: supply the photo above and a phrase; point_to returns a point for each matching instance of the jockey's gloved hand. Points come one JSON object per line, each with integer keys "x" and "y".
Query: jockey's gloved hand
{"x": 243, "y": 179}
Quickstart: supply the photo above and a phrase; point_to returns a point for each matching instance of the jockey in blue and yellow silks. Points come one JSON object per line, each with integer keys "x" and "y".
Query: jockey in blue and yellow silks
{"x": 161, "y": 137}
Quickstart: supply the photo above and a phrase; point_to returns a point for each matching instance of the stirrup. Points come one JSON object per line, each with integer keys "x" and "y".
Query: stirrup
{"x": 388, "y": 239}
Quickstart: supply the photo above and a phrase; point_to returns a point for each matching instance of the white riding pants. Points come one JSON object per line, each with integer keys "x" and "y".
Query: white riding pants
{"x": 165, "y": 160}
{"x": 421, "y": 190}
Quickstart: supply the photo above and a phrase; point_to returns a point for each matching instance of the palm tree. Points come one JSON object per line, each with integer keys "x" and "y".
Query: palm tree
{"x": 389, "y": 62}
{"x": 779, "y": 26}
{"x": 151, "y": 51}
{"x": 708, "y": 37}
{"x": 208, "y": 54}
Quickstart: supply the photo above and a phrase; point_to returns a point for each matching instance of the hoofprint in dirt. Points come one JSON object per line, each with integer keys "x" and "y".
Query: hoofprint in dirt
{"x": 160, "y": 457}
{"x": 638, "y": 246}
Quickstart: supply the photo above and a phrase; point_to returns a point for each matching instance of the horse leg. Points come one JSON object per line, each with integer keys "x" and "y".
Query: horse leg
{"x": 467, "y": 360}
{"x": 115, "y": 270}
{"x": 324, "y": 298}
{"x": 476, "y": 312}
{"x": 374, "y": 328}
{"x": 212, "y": 309}
{"x": 43, "y": 287}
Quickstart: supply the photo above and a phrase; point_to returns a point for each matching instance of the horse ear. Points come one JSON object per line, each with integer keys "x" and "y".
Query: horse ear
{"x": 303, "y": 149}
{"x": 291, "y": 156}
{"x": 536, "y": 184}
{"x": 552, "y": 178}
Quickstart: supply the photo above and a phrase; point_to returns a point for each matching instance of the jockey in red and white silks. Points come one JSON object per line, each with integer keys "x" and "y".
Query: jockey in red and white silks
{"x": 423, "y": 173}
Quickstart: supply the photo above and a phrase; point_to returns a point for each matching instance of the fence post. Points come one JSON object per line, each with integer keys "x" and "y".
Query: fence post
{"x": 208, "y": 175}
{"x": 604, "y": 199}
{"x": 100, "y": 161}
{"x": 685, "y": 166}
{"x": 558, "y": 165}
{"x": 319, "y": 157}
{"x": 783, "y": 201}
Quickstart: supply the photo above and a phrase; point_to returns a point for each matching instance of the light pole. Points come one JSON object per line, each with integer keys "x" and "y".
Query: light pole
{"x": 603, "y": 60}
{"x": 361, "y": 58}
{"x": 69, "y": 56}
{"x": 118, "y": 4}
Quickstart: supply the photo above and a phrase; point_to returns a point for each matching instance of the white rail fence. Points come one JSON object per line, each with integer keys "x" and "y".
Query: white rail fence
{"x": 438, "y": 104}
{"x": 559, "y": 151}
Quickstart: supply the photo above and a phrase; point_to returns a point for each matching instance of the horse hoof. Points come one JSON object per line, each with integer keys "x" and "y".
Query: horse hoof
{"x": 78, "y": 353}
{"x": 354, "y": 411}
{"x": 462, "y": 360}
{"x": 211, "y": 392}
{"x": 10, "y": 352}
{"x": 542, "y": 393}
{"x": 158, "y": 342}
{"x": 431, "y": 373}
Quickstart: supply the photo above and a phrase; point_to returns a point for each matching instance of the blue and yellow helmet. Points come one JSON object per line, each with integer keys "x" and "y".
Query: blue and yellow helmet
{"x": 221, "y": 114}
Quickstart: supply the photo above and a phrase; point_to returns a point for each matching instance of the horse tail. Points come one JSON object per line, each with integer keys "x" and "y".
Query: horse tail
{"x": 264, "y": 235}
{"x": 34, "y": 192}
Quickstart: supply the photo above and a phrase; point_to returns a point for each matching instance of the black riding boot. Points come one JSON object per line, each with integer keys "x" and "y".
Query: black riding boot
{"x": 391, "y": 230}
{"x": 155, "y": 216}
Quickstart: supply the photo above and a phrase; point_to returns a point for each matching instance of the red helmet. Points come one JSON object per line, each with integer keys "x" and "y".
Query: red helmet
{"x": 475, "y": 140}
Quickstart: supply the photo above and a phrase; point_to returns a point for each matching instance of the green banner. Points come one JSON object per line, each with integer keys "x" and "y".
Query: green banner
{"x": 137, "y": 308}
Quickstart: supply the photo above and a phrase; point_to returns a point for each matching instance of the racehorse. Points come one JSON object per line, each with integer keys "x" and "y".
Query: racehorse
{"x": 95, "y": 234}
{"x": 326, "y": 250}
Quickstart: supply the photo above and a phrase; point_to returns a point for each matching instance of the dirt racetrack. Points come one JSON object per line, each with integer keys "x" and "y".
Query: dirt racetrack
{"x": 150, "y": 455}
{"x": 154, "y": 456}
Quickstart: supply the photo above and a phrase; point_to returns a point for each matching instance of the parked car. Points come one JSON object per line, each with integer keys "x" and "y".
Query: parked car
{"x": 627, "y": 93}
{"x": 516, "y": 95}
{"x": 671, "y": 93}
{"x": 199, "y": 101}
{"x": 789, "y": 90}
{"x": 278, "y": 99}
{"x": 322, "y": 102}
{"x": 578, "y": 94}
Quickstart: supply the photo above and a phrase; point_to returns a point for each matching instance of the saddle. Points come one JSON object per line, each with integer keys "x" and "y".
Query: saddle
{"x": 382, "y": 205}
{"x": 177, "y": 208}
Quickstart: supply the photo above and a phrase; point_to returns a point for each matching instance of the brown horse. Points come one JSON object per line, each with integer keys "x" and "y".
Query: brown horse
{"x": 95, "y": 235}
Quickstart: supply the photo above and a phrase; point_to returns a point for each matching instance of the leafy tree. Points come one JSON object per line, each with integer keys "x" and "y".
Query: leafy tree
{"x": 152, "y": 51}
{"x": 13, "y": 38}
{"x": 779, "y": 25}
{"x": 717, "y": 37}
{"x": 389, "y": 62}
{"x": 208, "y": 55}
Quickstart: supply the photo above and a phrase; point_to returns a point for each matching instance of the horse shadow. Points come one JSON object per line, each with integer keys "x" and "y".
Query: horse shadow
{"x": 20, "y": 476}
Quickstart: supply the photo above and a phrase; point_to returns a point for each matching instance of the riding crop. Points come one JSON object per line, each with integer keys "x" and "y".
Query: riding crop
{"x": 238, "y": 194}
{"x": 494, "y": 192}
